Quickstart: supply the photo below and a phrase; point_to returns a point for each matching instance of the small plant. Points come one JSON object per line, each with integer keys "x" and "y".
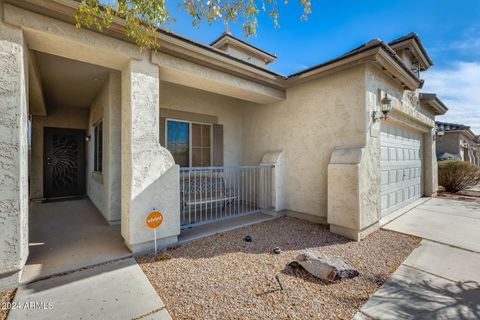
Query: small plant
{"x": 457, "y": 175}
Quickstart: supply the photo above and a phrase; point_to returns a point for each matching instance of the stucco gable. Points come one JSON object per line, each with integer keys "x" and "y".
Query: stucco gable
{"x": 412, "y": 44}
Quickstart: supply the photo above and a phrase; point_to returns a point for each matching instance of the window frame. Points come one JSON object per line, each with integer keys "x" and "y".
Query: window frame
{"x": 98, "y": 163}
{"x": 190, "y": 138}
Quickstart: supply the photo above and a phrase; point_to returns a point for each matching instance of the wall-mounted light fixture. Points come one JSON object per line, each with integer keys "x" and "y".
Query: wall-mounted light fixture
{"x": 385, "y": 108}
{"x": 439, "y": 131}
{"x": 87, "y": 138}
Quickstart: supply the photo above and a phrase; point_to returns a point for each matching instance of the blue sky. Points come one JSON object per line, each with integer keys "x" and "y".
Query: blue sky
{"x": 450, "y": 31}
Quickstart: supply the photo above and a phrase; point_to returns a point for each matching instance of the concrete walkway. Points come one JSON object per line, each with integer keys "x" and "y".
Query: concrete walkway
{"x": 117, "y": 290}
{"x": 440, "y": 279}
{"x": 69, "y": 235}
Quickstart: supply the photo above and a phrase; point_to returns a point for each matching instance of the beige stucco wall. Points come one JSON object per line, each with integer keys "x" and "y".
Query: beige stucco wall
{"x": 450, "y": 142}
{"x": 73, "y": 118}
{"x": 229, "y": 112}
{"x": 104, "y": 189}
{"x": 96, "y": 188}
{"x": 13, "y": 154}
{"x": 316, "y": 117}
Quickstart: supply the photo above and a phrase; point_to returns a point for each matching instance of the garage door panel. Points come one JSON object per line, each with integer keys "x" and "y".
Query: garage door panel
{"x": 401, "y": 167}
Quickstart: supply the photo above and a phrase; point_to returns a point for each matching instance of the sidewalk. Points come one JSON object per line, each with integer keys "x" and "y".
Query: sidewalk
{"x": 117, "y": 290}
{"x": 440, "y": 279}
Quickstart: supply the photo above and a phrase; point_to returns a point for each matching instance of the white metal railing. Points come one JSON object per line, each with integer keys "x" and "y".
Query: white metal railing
{"x": 209, "y": 194}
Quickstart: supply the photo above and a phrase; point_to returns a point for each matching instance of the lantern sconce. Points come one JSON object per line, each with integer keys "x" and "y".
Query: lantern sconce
{"x": 439, "y": 131}
{"x": 386, "y": 107}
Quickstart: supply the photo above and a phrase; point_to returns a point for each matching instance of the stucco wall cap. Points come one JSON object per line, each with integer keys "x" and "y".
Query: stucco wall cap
{"x": 272, "y": 157}
{"x": 347, "y": 155}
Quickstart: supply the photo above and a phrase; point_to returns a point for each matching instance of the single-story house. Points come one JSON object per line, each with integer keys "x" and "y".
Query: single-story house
{"x": 203, "y": 132}
{"x": 457, "y": 140}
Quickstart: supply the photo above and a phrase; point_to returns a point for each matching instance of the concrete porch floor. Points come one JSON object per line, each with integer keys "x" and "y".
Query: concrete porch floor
{"x": 211, "y": 229}
{"x": 69, "y": 235}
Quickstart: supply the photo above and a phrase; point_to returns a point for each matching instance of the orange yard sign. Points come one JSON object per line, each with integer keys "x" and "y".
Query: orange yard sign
{"x": 154, "y": 219}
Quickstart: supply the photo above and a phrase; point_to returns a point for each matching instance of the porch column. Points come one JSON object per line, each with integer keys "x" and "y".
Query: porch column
{"x": 430, "y": 170}
{"x": 150, "y": 178}
{"x": 13, "y": 156}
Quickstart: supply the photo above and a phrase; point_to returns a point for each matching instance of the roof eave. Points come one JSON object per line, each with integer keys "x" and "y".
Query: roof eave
{"x": 375, "y": 54}
{"x": 268, "y": 58}
{"x": 169, "y": 41}
{"x": 417, "y": 50}
{"x": 225, "y": 37}
{"x": 434, "y": 102}
{"x": 397, "y": 71}
{"x": 465, "y": 131}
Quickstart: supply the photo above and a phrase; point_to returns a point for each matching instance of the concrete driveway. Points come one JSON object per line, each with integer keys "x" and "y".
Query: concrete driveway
{"x": 440, "y": 279}
{"x": 456, "y": 223}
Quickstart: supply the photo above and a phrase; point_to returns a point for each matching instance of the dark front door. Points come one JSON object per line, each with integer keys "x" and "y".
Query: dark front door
{"x": 64, "y": 162}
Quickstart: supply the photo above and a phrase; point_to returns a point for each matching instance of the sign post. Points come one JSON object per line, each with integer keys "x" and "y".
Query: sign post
{"x": 153, "y": 221}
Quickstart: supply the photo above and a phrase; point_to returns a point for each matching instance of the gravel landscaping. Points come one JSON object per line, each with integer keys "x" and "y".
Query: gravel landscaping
{"x": 5, "y": 298}
{"x": 225, "y": 277}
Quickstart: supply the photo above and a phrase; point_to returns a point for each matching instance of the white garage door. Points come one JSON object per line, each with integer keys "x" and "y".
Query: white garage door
{"x": 401, "y": 166}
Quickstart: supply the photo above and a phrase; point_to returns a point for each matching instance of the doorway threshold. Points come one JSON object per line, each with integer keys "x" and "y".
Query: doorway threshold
{"x": 66, "y": 198}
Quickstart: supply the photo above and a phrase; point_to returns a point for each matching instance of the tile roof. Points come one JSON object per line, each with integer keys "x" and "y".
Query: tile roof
{"x": 451, "y": 126}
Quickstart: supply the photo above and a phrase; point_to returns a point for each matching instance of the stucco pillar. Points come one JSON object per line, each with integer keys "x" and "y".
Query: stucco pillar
{"x": 276, "y": 183}
{"x": 13, "y": 156}
{"x": 430, "y": 170}
{"x": 353, "y": 194}
{"x": 150, "y": 178}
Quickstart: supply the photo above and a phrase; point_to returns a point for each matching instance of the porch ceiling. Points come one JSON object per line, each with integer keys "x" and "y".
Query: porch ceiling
{"x": 69, "y": 83}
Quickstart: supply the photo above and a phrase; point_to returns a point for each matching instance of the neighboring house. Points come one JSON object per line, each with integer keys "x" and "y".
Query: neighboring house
{"x": 125, "y": 127}
{"x": 478, "y": 150}
{"x": 457, "y": 140}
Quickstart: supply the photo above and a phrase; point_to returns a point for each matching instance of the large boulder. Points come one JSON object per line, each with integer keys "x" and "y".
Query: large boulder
{"x": 329, "y": 268}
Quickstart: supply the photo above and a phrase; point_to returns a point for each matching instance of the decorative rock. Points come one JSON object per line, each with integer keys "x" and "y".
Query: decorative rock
{"x": 329, "y": 268}
{"x": 248, "y": 238}
{"x": 277, "y": 250}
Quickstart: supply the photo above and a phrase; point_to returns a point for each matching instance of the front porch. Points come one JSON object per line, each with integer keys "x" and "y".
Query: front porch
{"x": 69, "y": 235}
{"x": 76, "y": 142}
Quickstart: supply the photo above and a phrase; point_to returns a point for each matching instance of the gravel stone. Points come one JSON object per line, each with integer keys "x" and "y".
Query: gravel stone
{"x": 221, "y": 277}
{"x": 5, "y": 297}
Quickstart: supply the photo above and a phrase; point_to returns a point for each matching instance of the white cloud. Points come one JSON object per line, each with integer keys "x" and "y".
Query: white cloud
{"x": 471, "y": 40}
{"x": 458, "y": 86}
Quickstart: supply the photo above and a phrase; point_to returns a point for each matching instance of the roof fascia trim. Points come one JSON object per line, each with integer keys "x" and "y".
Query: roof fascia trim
{"x": 413, "y": 44}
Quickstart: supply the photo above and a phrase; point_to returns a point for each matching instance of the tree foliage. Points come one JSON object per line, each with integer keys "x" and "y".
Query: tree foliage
{"x": 457, "y": 175}
{"x": 143, "y": 17}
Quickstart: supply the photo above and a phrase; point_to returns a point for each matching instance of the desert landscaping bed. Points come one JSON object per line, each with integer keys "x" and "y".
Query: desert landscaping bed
{"x": 225, "y": 277}
{"x": 5, "y": 298}
{"x": 460, "y": 196}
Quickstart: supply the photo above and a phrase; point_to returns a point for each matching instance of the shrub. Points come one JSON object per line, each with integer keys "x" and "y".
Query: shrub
{"x": 457, "y": 175}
